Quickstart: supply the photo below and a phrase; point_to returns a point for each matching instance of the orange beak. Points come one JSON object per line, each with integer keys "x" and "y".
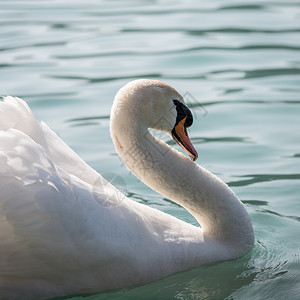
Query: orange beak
{"x": 181, "y": 137}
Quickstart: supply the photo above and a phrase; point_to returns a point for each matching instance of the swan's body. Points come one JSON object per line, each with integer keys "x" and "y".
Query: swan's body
{"x": 63, "y": 232}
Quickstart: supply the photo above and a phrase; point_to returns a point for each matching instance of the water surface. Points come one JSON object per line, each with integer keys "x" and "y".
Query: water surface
{"x": 238, "y": 65}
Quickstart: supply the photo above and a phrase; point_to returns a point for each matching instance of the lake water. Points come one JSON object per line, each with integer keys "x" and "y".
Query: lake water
{"x": 238, "y": 64}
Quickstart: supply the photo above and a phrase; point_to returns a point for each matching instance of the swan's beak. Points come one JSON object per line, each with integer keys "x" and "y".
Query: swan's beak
{"x": 181, "y": 137}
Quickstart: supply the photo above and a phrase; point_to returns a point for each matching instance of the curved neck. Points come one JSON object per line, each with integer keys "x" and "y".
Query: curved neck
{"x": 214, "y": 205}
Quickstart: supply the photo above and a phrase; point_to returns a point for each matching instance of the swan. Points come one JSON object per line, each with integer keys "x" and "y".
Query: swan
{"x": 65, "y": 230}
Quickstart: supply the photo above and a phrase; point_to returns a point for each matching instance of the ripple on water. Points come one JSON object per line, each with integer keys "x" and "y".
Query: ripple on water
{"x": 239, "y": 66}
{"x": 270, "y": 270}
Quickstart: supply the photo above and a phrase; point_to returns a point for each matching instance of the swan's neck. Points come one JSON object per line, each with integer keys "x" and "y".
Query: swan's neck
{"x": 217, "y": 209}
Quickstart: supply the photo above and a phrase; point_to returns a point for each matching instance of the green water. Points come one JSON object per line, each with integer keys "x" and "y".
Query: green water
{"x": 237, "y": 62}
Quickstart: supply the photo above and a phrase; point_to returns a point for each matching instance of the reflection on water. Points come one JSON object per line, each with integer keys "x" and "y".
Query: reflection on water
{"x": 257, "y": 178}
{"x": 238, "y": 65}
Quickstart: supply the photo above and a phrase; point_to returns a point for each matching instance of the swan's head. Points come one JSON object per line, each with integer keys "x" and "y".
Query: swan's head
{"x": 153, "y": 104}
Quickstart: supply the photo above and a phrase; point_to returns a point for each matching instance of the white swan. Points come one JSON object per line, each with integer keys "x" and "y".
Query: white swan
{"x": 64, "y": 232}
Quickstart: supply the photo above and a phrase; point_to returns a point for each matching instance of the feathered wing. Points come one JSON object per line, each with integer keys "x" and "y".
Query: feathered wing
{"x": 37, "y": 209}
{"x": 53, "y": 230}
{"x": 41, "y": 176}
{"x": 15, "y": 113}
{"x": 48, "y": 208}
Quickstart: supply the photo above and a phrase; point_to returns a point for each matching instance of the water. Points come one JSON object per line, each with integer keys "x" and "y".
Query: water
{"x": 237, "y": 62}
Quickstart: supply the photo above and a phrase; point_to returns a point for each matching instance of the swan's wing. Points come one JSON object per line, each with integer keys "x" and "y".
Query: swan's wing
{"x": 50, "y": 222}
{"x": 46, "y": 211}
{"x": 32, "y": 198}
{"x": 15, "y": 113}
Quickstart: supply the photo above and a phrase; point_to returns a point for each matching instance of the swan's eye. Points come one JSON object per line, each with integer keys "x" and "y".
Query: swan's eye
{"x": 182, "y": 112}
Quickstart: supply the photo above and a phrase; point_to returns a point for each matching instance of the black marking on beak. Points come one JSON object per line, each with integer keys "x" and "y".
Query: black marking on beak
{"x": 182, "y": 112}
